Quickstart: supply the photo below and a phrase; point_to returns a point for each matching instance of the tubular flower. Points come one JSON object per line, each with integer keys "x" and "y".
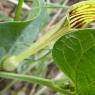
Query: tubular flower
{"x": 79, "y": 15}
{"x": 82, "y": 13}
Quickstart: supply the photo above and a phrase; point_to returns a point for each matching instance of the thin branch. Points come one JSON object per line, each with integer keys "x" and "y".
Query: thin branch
{"x": 18, "y": 10}
{"x": 25, "y": 6}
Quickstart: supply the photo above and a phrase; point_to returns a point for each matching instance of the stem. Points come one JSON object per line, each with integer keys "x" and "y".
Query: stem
{"x": 18, "y": 10}
{"x": 31, "y": 66}
{"x": 33, "y": 79}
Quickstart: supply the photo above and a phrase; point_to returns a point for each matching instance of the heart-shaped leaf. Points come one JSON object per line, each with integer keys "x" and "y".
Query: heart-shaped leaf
{"x": 22, "y": 32}
{"x": 74, "y": 53}
{"x": 35, "y": 9}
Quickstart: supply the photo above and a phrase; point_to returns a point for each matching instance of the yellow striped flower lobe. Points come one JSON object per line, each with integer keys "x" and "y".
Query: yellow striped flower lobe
{"x": 82, "y": 13}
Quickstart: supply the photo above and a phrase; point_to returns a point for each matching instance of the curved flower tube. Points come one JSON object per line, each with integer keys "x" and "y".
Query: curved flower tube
{"x": 79, "y": 15}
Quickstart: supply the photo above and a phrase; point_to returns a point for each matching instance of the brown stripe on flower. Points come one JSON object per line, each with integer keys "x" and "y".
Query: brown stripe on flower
{"x": 72, "y": 11}
{"x": 78, "y": 22}
{"x": 75, "y": 17}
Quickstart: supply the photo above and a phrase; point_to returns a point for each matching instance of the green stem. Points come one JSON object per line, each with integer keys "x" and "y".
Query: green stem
{"x": 26, "y": 71}
{"x": 18, "y": 10}
{"x": 33, "y": 79}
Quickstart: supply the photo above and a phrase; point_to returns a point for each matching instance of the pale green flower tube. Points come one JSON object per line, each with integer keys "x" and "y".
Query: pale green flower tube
{"x": 79, "y": 15}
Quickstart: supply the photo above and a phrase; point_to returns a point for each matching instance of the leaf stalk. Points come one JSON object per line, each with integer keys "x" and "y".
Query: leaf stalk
{"x": 18, "y": 10}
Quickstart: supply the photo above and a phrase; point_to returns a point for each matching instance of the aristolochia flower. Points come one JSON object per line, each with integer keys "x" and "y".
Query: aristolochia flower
{"x": 82, "y": 13}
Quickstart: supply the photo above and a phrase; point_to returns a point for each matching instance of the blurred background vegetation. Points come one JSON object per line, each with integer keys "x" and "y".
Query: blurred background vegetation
{"x": 41, "y": 64}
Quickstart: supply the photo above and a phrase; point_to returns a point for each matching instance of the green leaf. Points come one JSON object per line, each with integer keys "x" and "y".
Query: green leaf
{"x": 35, "y": 9}
{"x": 17, "y": 36}
{"x": 29, "y": 33}
{"x": 74, "y": 53}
